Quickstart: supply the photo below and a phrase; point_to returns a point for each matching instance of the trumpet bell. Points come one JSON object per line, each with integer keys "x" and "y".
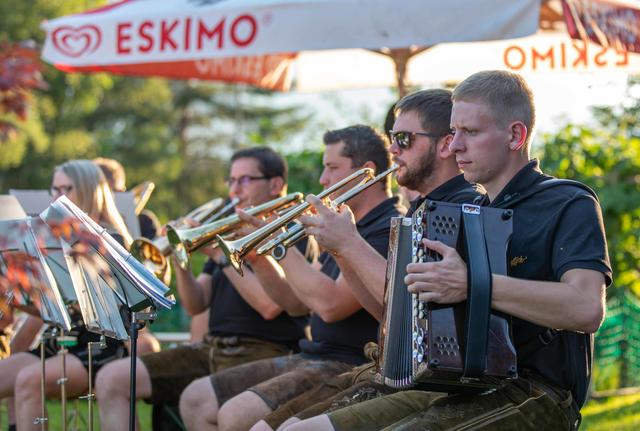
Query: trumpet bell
{"x": 232, "y": 253}
{"x": 149, "y": 255}
{"x": 153, "y": 254}
{"x": 178, "y": 247}
{"x": 186, "y": 241}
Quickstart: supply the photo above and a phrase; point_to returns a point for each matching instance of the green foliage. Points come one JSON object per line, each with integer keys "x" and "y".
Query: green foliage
{"x": 621, "y": 413}
{"x": 305, "y": 169}
{"x": 177, "y": 134}
{"x": 606, "y": 156}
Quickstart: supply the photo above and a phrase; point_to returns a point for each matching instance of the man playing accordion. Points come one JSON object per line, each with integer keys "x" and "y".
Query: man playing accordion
{"x": 554, "y": 291}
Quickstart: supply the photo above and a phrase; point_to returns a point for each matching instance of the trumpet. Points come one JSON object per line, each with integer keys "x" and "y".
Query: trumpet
{"x": 286, "y": 239}
{"x": 183, "y": 242}
{"x": 236, "y": 250}
{"x": 153, "y": 254}
{"x": 141, "y": 194}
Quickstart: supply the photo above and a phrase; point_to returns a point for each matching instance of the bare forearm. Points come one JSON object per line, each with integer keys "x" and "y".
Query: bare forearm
{"x": 332, "y": 300}
{"x": 250, "y": 289}
{"x": 370, "y": 268}
{"x": 273, "y": 279}
{"x": 312, "y": 287}
{"x": 360, "y": 290}
{"x": 565, "y": 305}
{"x": 189, "y": 291}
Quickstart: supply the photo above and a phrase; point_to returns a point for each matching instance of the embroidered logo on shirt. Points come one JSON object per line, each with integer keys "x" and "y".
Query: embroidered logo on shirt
{"x": 518, "y": 260}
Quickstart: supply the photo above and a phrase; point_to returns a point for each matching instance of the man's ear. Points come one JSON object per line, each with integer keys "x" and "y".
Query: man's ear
{"x": 371, "y": 165}
{"x": 519, "y": 135}
{"x": 276, "y": 184}
{"x": 442, "y": 147}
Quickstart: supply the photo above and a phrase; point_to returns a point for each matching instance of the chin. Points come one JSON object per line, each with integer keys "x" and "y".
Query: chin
{"x": 470, "y": 177}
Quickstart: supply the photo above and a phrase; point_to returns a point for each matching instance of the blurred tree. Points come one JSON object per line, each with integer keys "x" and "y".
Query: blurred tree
{"x": 178, "y": 134}
{"x": 19, "y": 74}
{"x": 606, "y": 157}
{"x": 305, "y": 169}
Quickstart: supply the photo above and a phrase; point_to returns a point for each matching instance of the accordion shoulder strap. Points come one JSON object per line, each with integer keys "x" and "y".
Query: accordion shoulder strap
{"x": 478, "y": 293}
{"x": 542, "y": 186}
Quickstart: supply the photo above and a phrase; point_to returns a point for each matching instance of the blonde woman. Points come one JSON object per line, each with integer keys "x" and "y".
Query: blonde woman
{"x": 85, "y": 185}
{"x": 83, "y": 182}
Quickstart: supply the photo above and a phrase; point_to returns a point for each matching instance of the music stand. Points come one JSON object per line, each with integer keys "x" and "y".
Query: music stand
{"x": 21, "y": 251}
{"x": 98, "y": 305}
{"x": 134, "y": 286}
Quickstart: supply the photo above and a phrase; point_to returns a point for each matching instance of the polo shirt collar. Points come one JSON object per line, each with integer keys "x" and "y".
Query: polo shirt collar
{"x": 382, "y": 208}
{"x": 521, "y": 182}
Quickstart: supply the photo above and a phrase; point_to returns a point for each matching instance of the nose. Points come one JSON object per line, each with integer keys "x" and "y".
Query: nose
{"x": 324, "y": 179}
{"x": 456, "y": 145}
{"x": 234, "y": 190}
{"x": 394, "y": 149}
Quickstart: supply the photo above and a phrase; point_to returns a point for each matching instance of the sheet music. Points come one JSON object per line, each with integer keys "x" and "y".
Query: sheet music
{"x": 54, "y": 255}
{"x": 18, "y": 238}
{"x": 136, "y": 286}
{"x": 98, "y": 306}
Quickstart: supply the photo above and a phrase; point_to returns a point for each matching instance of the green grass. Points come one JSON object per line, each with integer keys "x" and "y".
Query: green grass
{"x": 621, "y": 413}
{"x": 55, "y": 414}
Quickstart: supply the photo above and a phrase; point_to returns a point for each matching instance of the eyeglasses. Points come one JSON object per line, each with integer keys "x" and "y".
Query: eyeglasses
{"x": 244, "y": 180}
{"x": 404, "y": 139}
{"x": 62, "y": 190}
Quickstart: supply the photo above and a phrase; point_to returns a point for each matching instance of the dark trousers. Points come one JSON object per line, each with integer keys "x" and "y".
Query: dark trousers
{"x": 213, "y": 355}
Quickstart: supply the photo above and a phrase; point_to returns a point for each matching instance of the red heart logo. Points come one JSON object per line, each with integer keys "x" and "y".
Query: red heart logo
{"x": 74, "y": 42}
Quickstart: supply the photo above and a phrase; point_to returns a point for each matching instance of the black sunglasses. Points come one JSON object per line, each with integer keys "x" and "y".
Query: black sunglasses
{"x": 404, "y": 139}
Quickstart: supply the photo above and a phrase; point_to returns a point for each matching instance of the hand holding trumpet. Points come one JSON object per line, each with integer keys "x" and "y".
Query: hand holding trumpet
{"x": 333, "y": 229}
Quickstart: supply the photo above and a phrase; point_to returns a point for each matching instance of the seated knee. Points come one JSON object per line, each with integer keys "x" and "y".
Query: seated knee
{"x": 110, "y": 382}
{"x": 233, "y": 414}
{"x": 27, "y": 384}
{"x": 190, "y": 400}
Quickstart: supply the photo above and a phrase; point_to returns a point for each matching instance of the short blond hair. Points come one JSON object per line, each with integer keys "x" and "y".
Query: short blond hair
{"x": 94, "y": 195}
{"x": 507, "y": 95}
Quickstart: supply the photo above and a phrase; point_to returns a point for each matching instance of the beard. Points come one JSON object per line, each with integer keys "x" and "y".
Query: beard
{"x": 419, "y": 175}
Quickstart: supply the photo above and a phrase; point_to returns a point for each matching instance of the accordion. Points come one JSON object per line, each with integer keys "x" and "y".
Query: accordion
{"x": 455, "y": 348}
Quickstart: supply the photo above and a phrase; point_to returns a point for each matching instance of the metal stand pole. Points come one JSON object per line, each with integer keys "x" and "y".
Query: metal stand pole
{"x": 102, "y": 344}
{"x": 42, "y": 420}
{"x": 137, "y": 323}
{"x": 64, "y": 342}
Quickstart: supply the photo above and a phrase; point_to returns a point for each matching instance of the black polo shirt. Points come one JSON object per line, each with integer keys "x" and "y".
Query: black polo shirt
{"x": 230, "y": 314}
{"x": 344, "y": 340}
{"x": 555, "y": 230}
{"x": 456, "y": 190}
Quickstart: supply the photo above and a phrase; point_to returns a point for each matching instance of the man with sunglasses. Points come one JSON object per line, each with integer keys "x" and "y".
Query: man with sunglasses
{"x": 420, "y": 146}
{"x": 245, "y": 324}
